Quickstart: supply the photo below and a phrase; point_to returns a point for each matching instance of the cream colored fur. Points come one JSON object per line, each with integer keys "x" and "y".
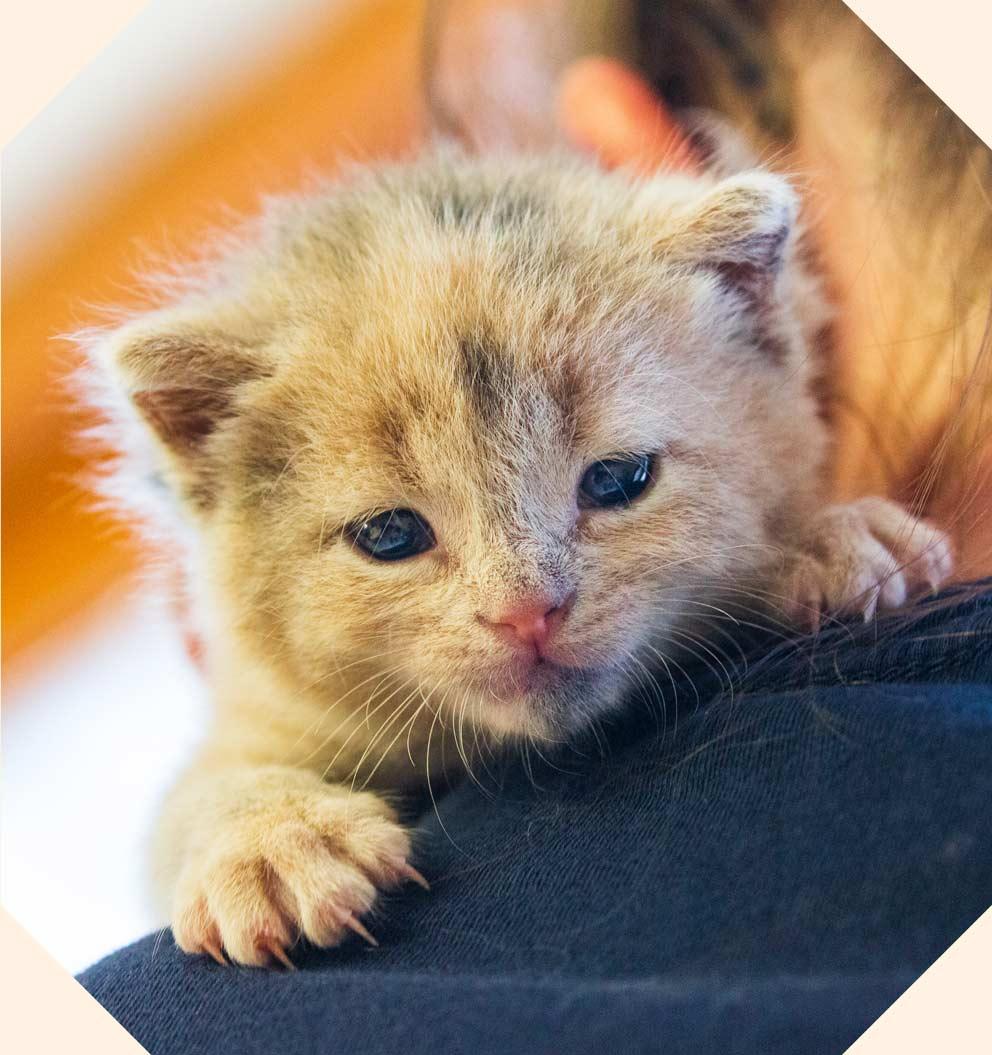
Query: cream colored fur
{"x": 463, "y": 338}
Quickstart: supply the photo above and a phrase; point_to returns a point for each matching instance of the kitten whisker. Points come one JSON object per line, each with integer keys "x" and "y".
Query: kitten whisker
{"x": 386, "y": 724}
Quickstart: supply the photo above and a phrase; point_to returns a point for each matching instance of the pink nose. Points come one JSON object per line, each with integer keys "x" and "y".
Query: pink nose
{"x": 531, "y": 621}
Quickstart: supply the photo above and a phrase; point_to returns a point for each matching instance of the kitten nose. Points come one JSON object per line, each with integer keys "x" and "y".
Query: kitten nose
{"x": 532, "y": 621}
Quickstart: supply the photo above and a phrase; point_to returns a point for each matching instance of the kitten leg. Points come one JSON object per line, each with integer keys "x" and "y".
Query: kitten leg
{"x": 264, "y": 855}
{"x": 861, "y": 558}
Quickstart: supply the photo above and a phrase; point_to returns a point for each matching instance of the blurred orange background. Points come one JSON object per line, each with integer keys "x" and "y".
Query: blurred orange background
{"x": 350, "y": 86}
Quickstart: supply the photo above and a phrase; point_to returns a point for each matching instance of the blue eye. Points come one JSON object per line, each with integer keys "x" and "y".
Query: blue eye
{"x": 394, "y": 535}
{"x": 615, "y": 481}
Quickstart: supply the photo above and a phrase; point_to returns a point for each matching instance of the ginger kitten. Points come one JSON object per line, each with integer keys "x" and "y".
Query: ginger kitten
{"x": 463, "y": 442}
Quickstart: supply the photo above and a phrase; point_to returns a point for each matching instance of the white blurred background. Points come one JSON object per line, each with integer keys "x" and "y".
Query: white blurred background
{"x": 92, "y": 737}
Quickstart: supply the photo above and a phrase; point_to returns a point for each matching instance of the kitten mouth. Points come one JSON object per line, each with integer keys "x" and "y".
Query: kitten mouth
{"x": 548, "y": 700}
{"x": 528, "y": 679}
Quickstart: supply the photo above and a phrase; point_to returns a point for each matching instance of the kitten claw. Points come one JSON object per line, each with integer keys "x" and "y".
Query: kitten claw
{"x": 407, "y": 869}
{"x": 212, "y": 949}
{"x": 276, "y": 950}
{"x": 934, "y": 580}
{"x": 348, "y": 919}
{"x": 359, "y": 928}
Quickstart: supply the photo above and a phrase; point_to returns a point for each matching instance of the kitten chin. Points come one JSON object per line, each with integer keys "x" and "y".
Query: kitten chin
{"x": 551, "y": 705}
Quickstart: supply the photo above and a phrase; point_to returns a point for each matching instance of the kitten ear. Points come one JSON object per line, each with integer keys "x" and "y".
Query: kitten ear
{"x": 182, "y": 376}
{"x": 182, "y": 380}
{"x": 740, "y": 228}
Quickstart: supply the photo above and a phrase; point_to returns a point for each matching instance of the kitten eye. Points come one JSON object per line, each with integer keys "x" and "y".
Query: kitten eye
{"x": 615, "y": 481}
{"x": 394, "y": 535}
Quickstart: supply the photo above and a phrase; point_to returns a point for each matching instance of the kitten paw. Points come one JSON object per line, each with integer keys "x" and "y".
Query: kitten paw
{"x": 308, "y": 865}
{"x": 862, "y": 558}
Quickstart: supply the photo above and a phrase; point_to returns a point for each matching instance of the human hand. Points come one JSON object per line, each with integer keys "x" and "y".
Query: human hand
{"x": 608, "y": 110}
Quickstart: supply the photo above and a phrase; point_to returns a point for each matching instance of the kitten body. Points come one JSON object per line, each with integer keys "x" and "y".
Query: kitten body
{"x": 464, "y": 339}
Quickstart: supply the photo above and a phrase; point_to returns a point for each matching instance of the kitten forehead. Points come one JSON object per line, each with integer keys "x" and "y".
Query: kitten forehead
{"x": 487, "y": 425}
{"x": 453, "y": 391}
{"x": 487, "y": 375}
{"x": 489, "y": 327}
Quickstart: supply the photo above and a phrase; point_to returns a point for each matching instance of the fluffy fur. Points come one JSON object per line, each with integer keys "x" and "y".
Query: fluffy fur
{"x": 463, "y": 338}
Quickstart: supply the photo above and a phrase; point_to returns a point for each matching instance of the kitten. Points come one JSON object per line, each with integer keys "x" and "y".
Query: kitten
{"x": 460, "y": 442}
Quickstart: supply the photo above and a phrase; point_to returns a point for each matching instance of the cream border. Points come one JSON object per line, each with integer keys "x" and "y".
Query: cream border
{"x": 948, "y": 1010}
{"x": 38, "y": 61}
{"x": 951, "y": 55}
{"x": 45, "y": 1009}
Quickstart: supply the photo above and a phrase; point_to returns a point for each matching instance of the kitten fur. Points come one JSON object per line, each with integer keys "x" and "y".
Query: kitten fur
{"x": 463, "y": 337}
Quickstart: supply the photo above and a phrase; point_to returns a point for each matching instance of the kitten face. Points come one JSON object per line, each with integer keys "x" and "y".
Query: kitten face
{"x": 557, "y": 403}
